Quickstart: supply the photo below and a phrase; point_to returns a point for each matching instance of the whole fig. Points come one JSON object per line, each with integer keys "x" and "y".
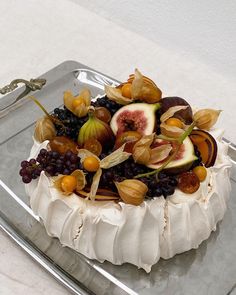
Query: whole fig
{"x": 184, "y": 115}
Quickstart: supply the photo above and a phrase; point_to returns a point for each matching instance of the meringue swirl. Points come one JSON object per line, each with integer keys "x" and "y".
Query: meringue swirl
{"x": 140, "y": 235}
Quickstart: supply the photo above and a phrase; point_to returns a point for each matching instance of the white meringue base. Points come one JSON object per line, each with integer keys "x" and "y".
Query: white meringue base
{"x": 139, "y": 235}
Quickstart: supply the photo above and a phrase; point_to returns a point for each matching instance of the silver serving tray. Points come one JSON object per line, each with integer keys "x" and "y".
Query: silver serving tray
{"x": 211, "y": 269}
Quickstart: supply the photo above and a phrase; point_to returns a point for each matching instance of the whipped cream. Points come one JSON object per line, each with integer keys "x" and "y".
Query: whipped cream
{"x": 119, "y": 232}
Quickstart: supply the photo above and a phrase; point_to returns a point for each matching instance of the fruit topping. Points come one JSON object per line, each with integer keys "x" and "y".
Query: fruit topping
{"x": 94, "y": 146}
{"x": 185, "y": 115}
{"x": 144, "y": 89}
{"x": 103, "y": 114}
{"x": 201, "y": 172}
{"x": 183, "y": 159}
{"x": 206, "y": 145}
{"x": 132, "y": 191}
{"x": 78, "y": 105}
{"x": 68, "y": 183}
{"x": 206, "y": 118}
{"x": 101, "y": 195}
{"x": 95, "y": 128}
{"x": 138, "y": 117}
{"x": 51, "y": 162}
{"x": 29, "y": 170}
{"x": 160, "y": 153}
{"x": 129, "y": 138}
{"x": 44, "y": 129}
{"x": 126, "y": 90}
{"x": 155, "y": 149}
{"x": 61, "y": 144}
{"x": 91, "y": 164}
{"x": 112, "y": 106}
{"x": 174, "y": 122}
{"x": 71, "y": 124}
{"x": 138, "y": 87}
{"x": 171, "y": 126}
{"x": 141, "y": 151}
{"x": 188, "y": 182}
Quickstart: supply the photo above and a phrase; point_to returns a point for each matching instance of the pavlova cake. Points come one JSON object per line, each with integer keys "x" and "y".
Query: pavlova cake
{"x": 128, "y": 177}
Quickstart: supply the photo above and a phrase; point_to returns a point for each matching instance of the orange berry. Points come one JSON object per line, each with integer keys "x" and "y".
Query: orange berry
{"x": 126, "y": 90}
{"x": 77, "y": 102}
{"x": 68, "y": 183}
{"x": 94, "y": 146}
{"x": 91, "y": 164}
{"x": 174, "y": 122}
{"x": 188, "y": 182}
{"x": 201, "y": 172}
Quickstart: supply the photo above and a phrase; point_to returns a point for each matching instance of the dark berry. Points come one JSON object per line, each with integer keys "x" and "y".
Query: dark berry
{"x": 43, "y": 152}
{"x": 162, "y": 175}
{"x": 168, "y": 190}
{"x": 49, "y": 169}
{"x": 26, "y": 179}
{"x": 66, "y": 171}
{"x": 157, "y": 192}
{"x": 24, "y": 164}
{"x": 73, "y": 158}
{"x": 173, "y": 181}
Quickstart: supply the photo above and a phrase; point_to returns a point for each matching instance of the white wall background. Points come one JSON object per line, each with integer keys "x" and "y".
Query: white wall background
{"x": 202, "y": 30}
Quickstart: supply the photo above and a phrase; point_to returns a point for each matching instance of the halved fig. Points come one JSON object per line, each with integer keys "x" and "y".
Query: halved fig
{"x": 206, "y": 145}
{"x": 183, "y": 160}
{"x": 184, "y": 115}
{"x": 138, "y": 117}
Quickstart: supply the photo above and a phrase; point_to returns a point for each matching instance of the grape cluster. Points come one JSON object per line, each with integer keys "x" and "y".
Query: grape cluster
{"x": 163, "y": 185}
{"x": 30, "y": 170}
{"x": 112, "y": 106}
{"x": 71, "y": 123}
{"x": 51, "y": 162}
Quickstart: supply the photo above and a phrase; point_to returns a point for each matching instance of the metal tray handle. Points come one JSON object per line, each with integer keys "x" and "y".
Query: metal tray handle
{"x": 32, "y": 85}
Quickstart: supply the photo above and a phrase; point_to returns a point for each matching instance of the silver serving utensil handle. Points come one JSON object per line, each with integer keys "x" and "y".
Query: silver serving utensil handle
{"x": 32, "y": 85}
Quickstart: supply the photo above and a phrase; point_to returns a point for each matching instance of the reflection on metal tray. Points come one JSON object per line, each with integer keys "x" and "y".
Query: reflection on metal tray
{"x": 193, "y": 272}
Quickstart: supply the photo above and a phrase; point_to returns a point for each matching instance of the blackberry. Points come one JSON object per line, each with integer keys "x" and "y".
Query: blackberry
{"x": 71, "y": 123}
{"x": 157, "y": 192}
{"x": 173, "y": 181}
{"x": 197, "y": 162}
{"x": 167, "y": 191}
{"x": 107, "y": 103}
{"x": 163, "y": 186}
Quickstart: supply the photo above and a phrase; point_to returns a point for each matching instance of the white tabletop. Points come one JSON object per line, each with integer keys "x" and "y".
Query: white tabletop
{"x": 188, "y": 49}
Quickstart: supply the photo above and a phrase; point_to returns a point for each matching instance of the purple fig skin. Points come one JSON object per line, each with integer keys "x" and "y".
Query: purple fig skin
{"x": 184, "y": 115}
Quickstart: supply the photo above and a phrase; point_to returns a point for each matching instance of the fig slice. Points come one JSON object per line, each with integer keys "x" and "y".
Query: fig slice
{"x": 138, "y": 117}
{"x": 183, "y": 160}
{"x": 206, "y": 145}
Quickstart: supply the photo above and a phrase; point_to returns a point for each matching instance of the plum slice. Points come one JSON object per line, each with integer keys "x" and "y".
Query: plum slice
{"x": 206, "y": 145}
